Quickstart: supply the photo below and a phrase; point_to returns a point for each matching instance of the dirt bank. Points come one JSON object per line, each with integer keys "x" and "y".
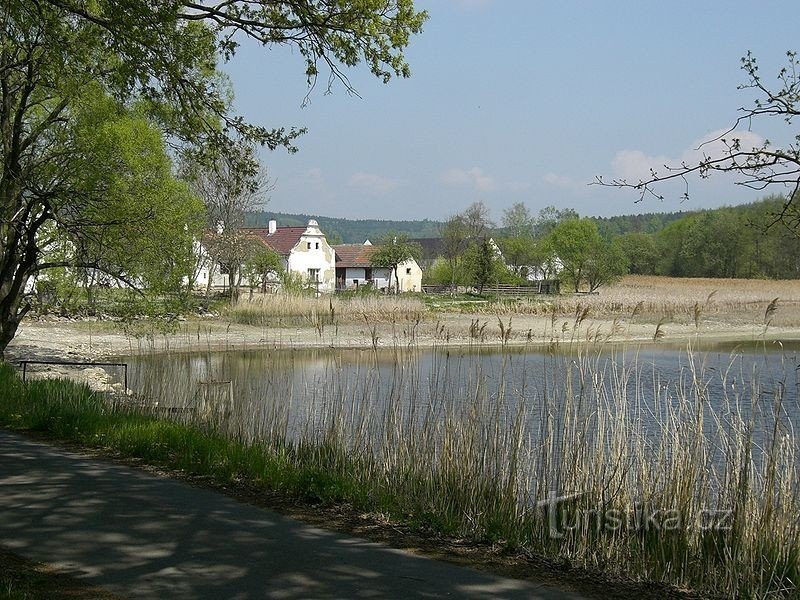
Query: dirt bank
{"x": 94, "y": 340}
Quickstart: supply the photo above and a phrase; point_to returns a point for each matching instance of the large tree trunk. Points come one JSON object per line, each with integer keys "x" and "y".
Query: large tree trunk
{"x": 11, "y": 309}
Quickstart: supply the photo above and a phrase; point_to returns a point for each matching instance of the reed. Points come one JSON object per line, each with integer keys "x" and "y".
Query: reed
{"x": 654, "y": 297}
{"x": 270, "y": 309}
{"x": 602, "y": 462}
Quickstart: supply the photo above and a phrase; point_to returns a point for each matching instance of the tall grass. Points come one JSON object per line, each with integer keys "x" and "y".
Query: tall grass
{"x": 601, "y": 462}
{"x": 268, "y": 309}
{"x": 654, "y": 297}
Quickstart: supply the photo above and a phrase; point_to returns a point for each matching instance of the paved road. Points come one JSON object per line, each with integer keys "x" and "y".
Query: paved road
{"x": 147, "y": 537}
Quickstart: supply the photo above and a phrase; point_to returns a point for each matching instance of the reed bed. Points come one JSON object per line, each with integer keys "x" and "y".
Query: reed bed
{"x": 669, "y": 297}
{"x": 269, "y": 309}
{"x": 691, "y": 481}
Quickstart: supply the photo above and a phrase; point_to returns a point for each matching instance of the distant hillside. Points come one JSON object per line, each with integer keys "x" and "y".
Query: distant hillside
{"x": 349, "y": 231}
{"x": 355, "y": 231}
{"x": 644, "y": 223}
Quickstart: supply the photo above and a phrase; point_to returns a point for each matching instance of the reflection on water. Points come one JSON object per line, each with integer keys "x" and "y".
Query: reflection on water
{"x": 746, "y": 381}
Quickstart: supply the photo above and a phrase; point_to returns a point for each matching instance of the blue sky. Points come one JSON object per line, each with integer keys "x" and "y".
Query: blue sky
{"x": 520, "y": 101}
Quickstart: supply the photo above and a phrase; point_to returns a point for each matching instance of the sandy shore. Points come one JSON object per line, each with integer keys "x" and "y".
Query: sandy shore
{"x": 93, "y": 340}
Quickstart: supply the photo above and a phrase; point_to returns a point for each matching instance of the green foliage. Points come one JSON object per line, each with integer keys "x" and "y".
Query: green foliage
{"x": 549, "y": 217}
{"x": 641, "y": 252}
{"x": 393, "y": 250}
{"x": 261, "y": 264}
{"x": 295, "y": 283}
{"x": 741, "y": 241}
{"x": 482, "y": 266}
{"x": 520, "y": 252}
{"x": 91, "y": 89}
{"x": 441, "y": 273}
{"x": 585, "y": 257}
{"x": 136, "y": 219}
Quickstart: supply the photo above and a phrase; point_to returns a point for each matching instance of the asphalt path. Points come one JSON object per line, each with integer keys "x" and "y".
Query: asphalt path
{"x": 144, "y": 536}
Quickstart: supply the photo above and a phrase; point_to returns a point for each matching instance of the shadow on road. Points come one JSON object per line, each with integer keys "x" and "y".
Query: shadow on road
{"x": 147, "y": 537}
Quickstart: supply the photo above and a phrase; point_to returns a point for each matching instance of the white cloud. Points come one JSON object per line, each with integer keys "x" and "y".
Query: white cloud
{"x": 315, "y": 178}
{"x": 635, "y": 165}
{"x": 474, "y": 177}
{"x": 564, "y": 182}
{"x": 373, "y": 184}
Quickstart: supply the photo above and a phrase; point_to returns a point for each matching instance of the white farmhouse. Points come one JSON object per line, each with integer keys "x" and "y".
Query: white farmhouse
{"x": 354, "y": 269}
{"x": 304, "y": 251}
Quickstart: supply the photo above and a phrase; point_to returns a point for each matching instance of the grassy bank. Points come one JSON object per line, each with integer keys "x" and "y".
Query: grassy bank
{"x": 594, "y": 468}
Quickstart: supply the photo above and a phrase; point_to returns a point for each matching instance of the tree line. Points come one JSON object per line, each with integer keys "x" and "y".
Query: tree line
{"x": 747, "y": 241}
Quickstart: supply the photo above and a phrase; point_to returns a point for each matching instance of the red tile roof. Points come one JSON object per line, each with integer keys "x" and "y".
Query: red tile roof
{"x": 354, "y": 255}
{"x": 282, "y": 241}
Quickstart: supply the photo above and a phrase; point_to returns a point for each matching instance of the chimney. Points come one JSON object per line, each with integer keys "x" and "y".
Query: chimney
{"x": 273, "y": 225}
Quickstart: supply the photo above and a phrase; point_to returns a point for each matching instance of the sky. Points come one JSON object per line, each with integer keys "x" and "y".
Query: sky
{"x": 521, "y": 101}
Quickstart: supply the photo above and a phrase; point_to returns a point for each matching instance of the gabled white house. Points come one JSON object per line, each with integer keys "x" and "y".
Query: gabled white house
{"x": 354, "y": 269}
{"x": 304, "y": 251}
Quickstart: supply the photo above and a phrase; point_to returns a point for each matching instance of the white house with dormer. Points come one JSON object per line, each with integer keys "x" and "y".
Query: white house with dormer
{"x": 304, "y": 251}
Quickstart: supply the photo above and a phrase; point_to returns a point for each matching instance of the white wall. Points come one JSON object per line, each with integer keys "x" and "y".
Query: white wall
{"x": 410, "y": 275}
{"x": 314, "y": 252}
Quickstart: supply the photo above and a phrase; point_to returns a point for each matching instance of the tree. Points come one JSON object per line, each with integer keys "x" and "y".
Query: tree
{"x": 518, "y": 222}
{"x": 757, "y": 166}
{"x": 455, "y": 241}
{"x": 230, "y": 186}
{"x": 394, "y": 250}
{"x": 549, "y": 217}
{"x": 518, "y": 244}
{"x": 584, "y": 255}
{"x": 485, "y": 265}
{"x": 641, "y": 252}
{"x": 476, "y": 219}
{"x": 606, "y": 264}
{"x": 158, "y": 59}
{"x": 261, "y": 264}
{"x": 520, "y": 252}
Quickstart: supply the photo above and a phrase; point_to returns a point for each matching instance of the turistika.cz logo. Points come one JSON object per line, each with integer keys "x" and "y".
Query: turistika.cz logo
{"x": 565, "y": 514}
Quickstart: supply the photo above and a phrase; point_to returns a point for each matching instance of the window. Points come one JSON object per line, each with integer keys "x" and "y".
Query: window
{"x": 408, "y": 271}
{"x": 313, "y": 273}
{"x": 317, "y": 246}
{"x": 308, "y": 245}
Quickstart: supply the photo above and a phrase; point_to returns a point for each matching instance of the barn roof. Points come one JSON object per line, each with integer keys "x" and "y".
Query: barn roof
{"x": 282, "y": 240}
{"x": 354, "y": 255}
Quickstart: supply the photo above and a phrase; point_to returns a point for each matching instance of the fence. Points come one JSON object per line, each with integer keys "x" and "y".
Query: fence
{"x": 24, "y": 364}
{"x": 535, "y": 288}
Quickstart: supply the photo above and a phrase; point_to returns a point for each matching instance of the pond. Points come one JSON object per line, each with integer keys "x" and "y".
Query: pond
{"x": 750, "y": 381}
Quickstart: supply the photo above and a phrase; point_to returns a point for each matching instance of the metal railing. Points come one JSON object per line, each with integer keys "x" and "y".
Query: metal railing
{"x": 24, "y": 364}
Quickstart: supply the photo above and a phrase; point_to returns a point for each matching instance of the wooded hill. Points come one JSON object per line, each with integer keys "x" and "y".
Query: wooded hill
{"x": 348, "y": 231}
{"x": 735, "y": 241}
{"x": 354, "y": 231}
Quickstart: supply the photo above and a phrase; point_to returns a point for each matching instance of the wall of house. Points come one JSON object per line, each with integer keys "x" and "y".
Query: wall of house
{"x": 383, "y": 278}
{"x": 314, "y": 252}
{"x": 355, "y": 276}
{"x": 410, "y": 275}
